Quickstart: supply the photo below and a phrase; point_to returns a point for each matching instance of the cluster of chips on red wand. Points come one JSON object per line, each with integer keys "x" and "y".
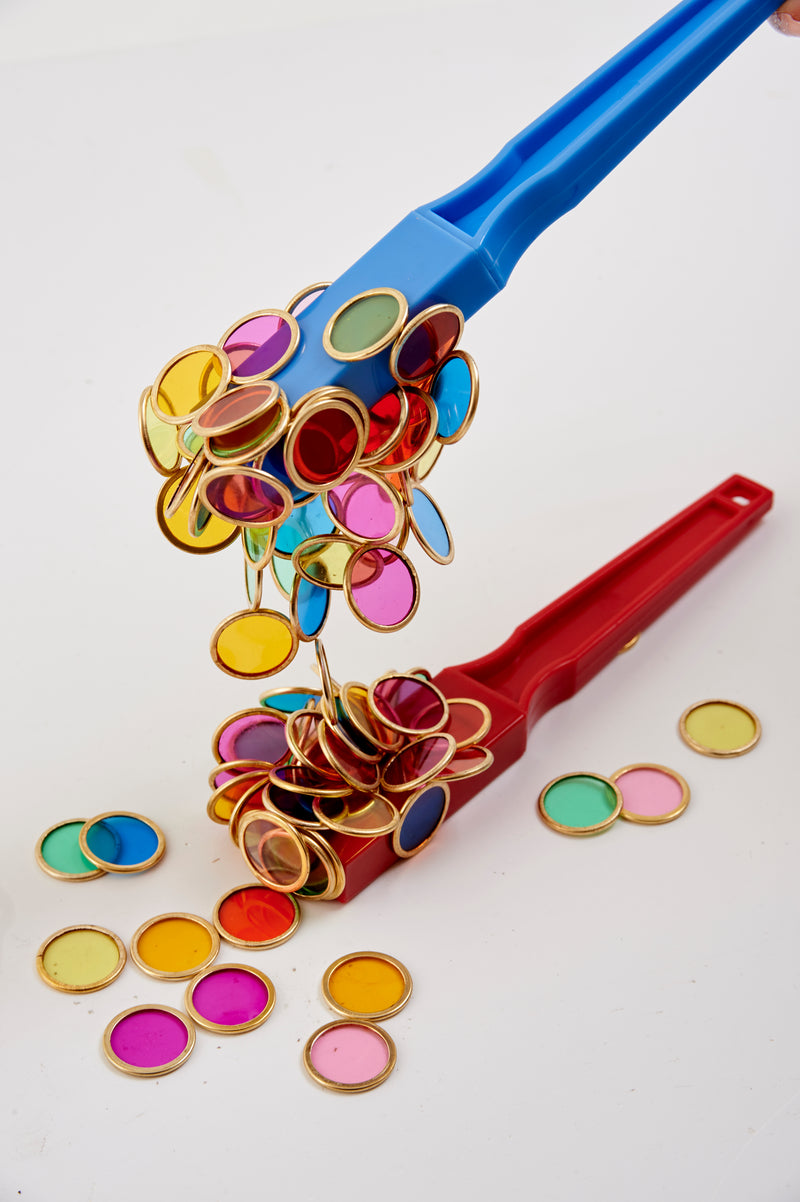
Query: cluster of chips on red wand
{"x": 309, "y": 768}
{"x": 324, "y": 493}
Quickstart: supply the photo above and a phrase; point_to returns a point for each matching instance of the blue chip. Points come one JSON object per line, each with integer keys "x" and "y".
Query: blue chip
{"x": 452, "y": 392}
{"x": 302, "y": 523}
{"x": 310, "y": 606}
{"x": 421, "y": 819}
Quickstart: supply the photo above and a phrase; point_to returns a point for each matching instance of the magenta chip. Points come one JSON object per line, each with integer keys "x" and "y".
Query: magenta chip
{"x": 257, "y": 345}
{"x": 149, "y": 1040}
{"x": 231, "y": 997}
{"x": 254, "y": 737}
{"x": 381, "y": 588}
{"x": 363, "y": 506}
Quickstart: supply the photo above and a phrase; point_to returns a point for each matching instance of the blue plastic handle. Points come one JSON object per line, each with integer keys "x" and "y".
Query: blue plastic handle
{"x": 461, "y": 249}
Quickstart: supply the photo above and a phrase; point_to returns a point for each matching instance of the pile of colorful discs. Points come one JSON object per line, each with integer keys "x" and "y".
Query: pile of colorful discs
{"x": 308, "y": 768}
{"x": 353, "y": 1054}
{"x": 585, "y": 803}
{"x": 116, "y": 842}
{"x": 323, "y": 489}
{"x": 228, "y": 999}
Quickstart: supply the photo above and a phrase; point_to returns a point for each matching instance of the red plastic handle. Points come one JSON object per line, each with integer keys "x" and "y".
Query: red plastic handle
{"x": 554, "y": 653}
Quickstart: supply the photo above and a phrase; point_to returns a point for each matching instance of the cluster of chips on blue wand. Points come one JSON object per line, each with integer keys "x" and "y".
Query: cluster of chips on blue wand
{"x": 323, "y": 492}
{"x": 309, "y": 768}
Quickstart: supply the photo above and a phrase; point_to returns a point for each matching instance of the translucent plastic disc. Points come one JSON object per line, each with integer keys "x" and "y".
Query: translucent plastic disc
{"x": 230, "y": 999}
{"x": 188, "y": 482}
{"x": 251, "y": 735}
{"x": 309, "y": 521}
{"x": 81, "y": 959}
{"x": 299, "y": 779}
{"x": 160, "y": 439}
{"x": 59, "y": 854}
{"x": 251, "y": 802}
{"x": 253, "y": 643}
{"x": 381, "y": 587}
{"x": 365, "y": 815}
{"x": 349, "y": 1056}
{"x": 302, "y": 734}
{"x": 324, "y": 561}
{"x": 274, "y": 852}
{"x": 427, "y": 339}
{"x": 720, "y": 728}
{"x": 258, "y": 543}
{"x": 295, "y": 807}
{"x": 323, "y": 444}
{"x": 366, "y": 324}
{"x": 310, "y": 605}
{"x": 148, "y": 1041}
{"x": 468, "y": 721}
{"x": 245, "y": 496}
{"x": 225, "y": 798}
{"x": 326, "y": 875}
{"x": 254, "y": 583}
{"x": 256, "y": 917}
{"x": 221, "y": 773}
{"x": 119, "y": 841}
{"x": 174, "y": 946}
{"x": 651, "y": 793}
{"x": 355, "y": 699}
{"x": 366, "y": 506}
{"x": 580, "y": 803}
{"x": 418, "y": 433}
{"x": 454, "y": 389}
{"x": 367, "y": 985}
{"x": 423, "y": 466}
{"x": 189, "y": 381}
{"x": 327, "y": 701}
{"x": 420, "y": 818}
{"x": 467, "y": 762}
{"x": 199, "y": 517}
{"x": 357, "y": 772}
{"x": 387, "y": 420}
{"x": 353, "y": 738}
{"x": 238, "y": 408}
{"x": 418, "y": 762}
{"x": 429, "y": 527}
{"x": 303, "y": 299}
{"x": 408, "y": 704}
{"x": 242, "y": 446}
{"x": 261, "y": 344}
{"x": 286, "y": 701}
{"x": 189, "y": 443}
{"x": 214, "y": 534}
{"x": 283, "y": 574}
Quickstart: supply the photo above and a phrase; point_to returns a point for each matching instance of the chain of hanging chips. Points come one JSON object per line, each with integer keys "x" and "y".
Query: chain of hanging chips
{"x": 324, "y": 494}
{"x": 309, "y": 766}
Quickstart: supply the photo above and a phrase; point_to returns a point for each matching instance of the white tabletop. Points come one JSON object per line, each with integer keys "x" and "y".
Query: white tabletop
{"x": 611, "y": 1017}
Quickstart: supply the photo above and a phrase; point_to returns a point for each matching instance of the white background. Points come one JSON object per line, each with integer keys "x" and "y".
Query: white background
{"x": 602, "y": 1018}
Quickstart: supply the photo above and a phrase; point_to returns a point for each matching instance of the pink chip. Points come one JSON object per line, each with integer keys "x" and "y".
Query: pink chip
{"x": 651, "y": 793}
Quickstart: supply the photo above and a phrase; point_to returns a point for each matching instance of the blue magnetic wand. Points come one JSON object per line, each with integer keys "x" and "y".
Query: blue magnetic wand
{"x": 289, "y": 454}
{"x": 460, "y": 250}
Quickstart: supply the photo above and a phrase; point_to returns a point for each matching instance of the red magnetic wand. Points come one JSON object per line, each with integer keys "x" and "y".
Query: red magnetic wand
{"x": 552, "y": 655}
